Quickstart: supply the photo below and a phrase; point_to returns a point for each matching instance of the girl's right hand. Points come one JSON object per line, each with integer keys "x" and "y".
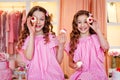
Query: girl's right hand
{"x": 78, "y": 65}
{"x": 31, "y": 26}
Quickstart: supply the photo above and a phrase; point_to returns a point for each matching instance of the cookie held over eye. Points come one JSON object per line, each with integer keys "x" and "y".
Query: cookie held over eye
{"x": 33, "y": 19}
{"x": 63, "y": 31}
{"x": 90, "y": 20}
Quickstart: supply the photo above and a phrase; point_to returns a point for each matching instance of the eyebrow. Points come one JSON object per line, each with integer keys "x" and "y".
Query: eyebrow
{"x": 40, "y": 17}
{"x": 84, "y": 20}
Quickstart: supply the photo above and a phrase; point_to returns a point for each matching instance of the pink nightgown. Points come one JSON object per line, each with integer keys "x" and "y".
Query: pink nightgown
{"x": 44, "y": 65}
{"x": 89, "y": 52}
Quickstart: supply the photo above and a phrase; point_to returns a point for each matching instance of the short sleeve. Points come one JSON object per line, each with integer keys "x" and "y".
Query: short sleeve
{"x": 53, "y": 41}
{"x": 96, "y": 41}
{"x": 25, "y": 43}
{"x": 21, "y": 52}
{"x": 100, "y": 52}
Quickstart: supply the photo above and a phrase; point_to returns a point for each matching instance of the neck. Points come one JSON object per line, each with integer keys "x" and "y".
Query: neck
{"x": 39, "y": 33}
{"x": 85, "y": 35}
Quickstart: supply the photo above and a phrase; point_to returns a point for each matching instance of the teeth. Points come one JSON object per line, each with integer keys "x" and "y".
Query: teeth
{"x": 37, "y": 26}
{"x": 82, "y": 29}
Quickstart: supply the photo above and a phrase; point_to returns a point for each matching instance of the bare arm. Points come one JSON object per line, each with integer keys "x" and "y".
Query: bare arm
{"x": 71, "y": 62}
{"x": 60, "y": 54}
{"x": 30, "y": 47}
{"x": 60, "y": 51}
{"x": 103, "y": 42}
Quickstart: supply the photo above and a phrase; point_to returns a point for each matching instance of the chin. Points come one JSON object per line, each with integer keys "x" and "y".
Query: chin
{"x": 38, "y": 29}
{"x": 81, "y": 31}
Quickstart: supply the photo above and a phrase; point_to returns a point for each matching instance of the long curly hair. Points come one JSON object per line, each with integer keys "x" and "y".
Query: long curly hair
{"x": 75, "y": 33}
{"x": 48, "y": 27}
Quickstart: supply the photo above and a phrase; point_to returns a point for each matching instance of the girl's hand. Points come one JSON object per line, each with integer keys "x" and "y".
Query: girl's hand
{"x": 76, "y": 67}
{"x": 94, "y": 26}
{"x": 31, "y": 26}
{"x": 62, "y": 37}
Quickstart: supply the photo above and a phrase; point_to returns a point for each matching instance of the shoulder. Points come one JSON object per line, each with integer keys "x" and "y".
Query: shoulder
{"x": 52, "y": 36}
{"x": 95, "y": 39}
{"x": 53, "y": 40}
{"x": 27, "y": 38}
{"x": 94, "y": 36}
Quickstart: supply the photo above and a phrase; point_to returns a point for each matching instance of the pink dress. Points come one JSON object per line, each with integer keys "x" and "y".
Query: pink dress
{"x": 44, "y": 65}
{"x": 89, "y": 52}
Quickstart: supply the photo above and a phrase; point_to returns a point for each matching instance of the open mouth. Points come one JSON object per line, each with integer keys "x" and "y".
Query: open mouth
{"x": 37, "y": 26}
{"x": 83, "y": 29}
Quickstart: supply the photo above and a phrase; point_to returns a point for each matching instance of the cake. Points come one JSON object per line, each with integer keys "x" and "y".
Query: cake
{"x": 115, "y": 75}
{"x": 5, "y": 71}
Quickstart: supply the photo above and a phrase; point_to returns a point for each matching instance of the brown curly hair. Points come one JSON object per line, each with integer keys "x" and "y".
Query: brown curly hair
{"x": 46, "y": 29}
{"x": 75, "y": 33}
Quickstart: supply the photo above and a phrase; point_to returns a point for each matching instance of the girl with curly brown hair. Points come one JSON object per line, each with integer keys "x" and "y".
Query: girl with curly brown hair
{"x": 43, "y": 52}
{"x": 86, "y": 48}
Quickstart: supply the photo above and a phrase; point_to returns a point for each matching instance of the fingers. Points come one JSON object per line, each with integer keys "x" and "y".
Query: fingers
{"x": 30, "y": 23}
{"x": 62, "y": 38}
{"x": 76, "y": 67}
{"x": 63, "y": 30}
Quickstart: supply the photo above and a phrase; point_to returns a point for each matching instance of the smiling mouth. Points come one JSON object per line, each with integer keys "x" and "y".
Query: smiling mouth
{"x": 83, "y": 29}
{"x": 37, "y": 26}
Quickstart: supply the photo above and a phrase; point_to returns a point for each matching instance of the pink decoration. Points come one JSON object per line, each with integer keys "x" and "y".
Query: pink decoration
{"x": 47, "y": 13}
{"x": 114, "y": 53}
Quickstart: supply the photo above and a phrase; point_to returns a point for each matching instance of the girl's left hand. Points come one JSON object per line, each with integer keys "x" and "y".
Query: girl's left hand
{"x": 62, "y": 38}
{"x": 31, "y": 26}
{"x": 94, "y": 26}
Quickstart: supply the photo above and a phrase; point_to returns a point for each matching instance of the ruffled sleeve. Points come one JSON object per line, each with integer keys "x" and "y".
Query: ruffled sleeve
{"x": 100, "y": 52}
{"x": 21, "y": 52}
{"x": 96, "y": 41}
{"x": 25, "y": 43}
{"x": 76, "y": 53}
{"x": 53, "y": 41}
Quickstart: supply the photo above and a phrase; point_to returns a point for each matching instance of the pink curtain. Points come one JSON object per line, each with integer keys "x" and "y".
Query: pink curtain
{"x": 67, "y": 10}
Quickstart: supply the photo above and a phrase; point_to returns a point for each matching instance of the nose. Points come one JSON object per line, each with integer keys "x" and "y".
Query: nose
{"x": 82, "y": 24}
{"x": 38, "y": 21}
